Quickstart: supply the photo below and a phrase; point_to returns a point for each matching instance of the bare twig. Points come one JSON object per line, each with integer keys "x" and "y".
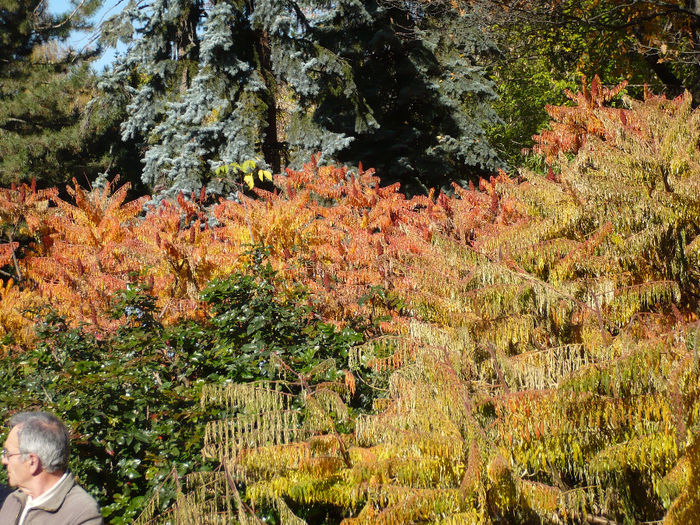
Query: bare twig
{"x": 239, "y": 501}
{"x": 62, "y": 23}
{"x": 497, "y": 367}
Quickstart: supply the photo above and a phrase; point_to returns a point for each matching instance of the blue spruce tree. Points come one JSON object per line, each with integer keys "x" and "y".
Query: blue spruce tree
{"x": 397, "y": 87}
{"x": 416, "y": 66}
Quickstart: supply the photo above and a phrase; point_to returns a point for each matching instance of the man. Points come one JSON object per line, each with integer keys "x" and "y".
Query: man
{"x": 36, "y": 457}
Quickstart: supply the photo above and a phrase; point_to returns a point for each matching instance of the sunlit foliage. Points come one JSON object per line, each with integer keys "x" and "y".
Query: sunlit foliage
{"x": 535, "y": 338}
{"x": 547, "y": 367}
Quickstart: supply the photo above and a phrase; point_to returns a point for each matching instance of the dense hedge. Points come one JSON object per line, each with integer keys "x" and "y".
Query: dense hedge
{"x": 132, "y": 399}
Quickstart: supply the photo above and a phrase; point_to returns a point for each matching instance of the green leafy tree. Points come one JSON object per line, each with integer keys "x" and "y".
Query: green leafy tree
{"x": 549, "y": 45}
{"x": 656, "y": 42}
{"x": 526, "y": 85}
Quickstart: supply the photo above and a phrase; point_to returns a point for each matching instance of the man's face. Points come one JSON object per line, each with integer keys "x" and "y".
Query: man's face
{"x": 18, "y": 468}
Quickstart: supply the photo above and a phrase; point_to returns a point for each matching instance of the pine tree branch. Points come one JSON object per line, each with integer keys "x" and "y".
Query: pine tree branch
{"x": 300, "y": 15}
{"x": 62, "y": 23}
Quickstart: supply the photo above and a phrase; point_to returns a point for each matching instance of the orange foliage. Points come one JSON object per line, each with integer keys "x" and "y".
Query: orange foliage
{"x": 571, "y": 126}
{"x": 7, "y": 250}
{"x": 22, "y": 211}
{"x": 180, "y": 254}
{"x": 16, "y": 320}
{"x": 89, "y": 254}
{"x": 24, "y": 205}
{"x": 336, "y": 232}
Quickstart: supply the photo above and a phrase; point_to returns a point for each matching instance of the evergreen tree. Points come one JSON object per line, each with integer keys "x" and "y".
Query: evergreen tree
{"x": 392, "y": 86}
{"x": 43, "y": 88}
{"x": 417, "y": 65}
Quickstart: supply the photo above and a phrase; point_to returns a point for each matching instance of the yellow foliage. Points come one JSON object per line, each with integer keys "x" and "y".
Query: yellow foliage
{"x": 16, "y": 319}
{"x": 686, "y": 508}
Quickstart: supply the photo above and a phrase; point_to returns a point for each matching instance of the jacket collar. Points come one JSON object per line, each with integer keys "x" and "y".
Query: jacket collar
{"x": 56, "y": 500}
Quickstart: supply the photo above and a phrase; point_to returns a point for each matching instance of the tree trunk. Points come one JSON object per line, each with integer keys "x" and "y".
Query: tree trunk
{"x": 187, "y": 44}
{"x": 270, "y": 145}
{"x": 674, "y": 86}
{"x": 694, "y": 7}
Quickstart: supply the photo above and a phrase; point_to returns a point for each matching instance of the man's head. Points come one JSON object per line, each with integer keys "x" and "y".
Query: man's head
{"x": 38, "y": 444}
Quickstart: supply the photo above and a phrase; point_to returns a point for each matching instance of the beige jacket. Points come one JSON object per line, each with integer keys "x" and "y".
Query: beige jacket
{"x": 69, "y": 505}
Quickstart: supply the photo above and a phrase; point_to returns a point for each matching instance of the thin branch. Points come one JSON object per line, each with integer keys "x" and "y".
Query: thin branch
{"x": 300, "y": 15}
{"x": 15, "y": 262}
{"x": 599, "y": 520}
{"x": 343, "y": 450}
{"x": 239, "y": 501}
{"x": 247, "y": 218}
{"x": 497, "y": 366}
{"x": 56, "y": 26}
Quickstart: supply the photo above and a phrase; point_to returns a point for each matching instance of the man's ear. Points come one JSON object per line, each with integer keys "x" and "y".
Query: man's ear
{"x": 34, "y": 464}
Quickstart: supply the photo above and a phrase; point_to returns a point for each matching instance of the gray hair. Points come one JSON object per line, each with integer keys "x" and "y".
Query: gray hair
{"x": 44, "y": 435}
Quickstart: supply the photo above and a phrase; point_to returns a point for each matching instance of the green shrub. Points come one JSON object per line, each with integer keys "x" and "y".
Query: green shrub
{"x": 132, "y": 399}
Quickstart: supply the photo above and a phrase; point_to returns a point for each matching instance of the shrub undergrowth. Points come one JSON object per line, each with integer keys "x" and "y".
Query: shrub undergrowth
{"x": 131, "y": 399}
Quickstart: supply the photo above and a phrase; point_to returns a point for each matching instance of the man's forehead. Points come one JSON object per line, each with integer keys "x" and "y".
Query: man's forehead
{"x": 12, "y": 436}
